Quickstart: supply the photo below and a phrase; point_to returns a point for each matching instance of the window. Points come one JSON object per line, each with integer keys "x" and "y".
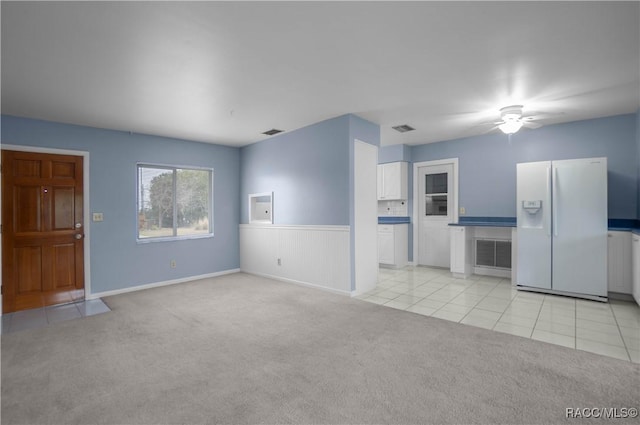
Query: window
{"x": 436, "y": 194}
{"x": 174, "y": 203}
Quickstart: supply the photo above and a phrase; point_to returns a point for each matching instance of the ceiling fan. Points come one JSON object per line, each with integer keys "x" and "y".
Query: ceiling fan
{"x": 512, "y": 120}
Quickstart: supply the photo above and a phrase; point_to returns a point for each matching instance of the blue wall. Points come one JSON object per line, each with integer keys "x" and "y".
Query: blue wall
{"x": 306, "y": 169}
{"x": 487, "y": 164}
{"x": 363, "y": 130}
{"x": 310, "y": 172}
{"x": 117, "y": 261}
{"x": 394, "y": 153}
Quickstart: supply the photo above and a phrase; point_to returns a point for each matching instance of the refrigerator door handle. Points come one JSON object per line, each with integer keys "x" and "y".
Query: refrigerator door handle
{"x": 554, "y": 202}
{"x": 547, "y": 216}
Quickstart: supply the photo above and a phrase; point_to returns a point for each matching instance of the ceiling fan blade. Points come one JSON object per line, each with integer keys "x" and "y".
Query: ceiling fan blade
{"x": 540, "y": 116}
{"x": 492, "y": 129}
{"x": 531, "y": 124}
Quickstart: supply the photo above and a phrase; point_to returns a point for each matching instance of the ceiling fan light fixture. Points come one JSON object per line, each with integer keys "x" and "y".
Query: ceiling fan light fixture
{"x": 511, "y": 116}
{"x": 510, "y": 126}
{"x": 512, "y": 119}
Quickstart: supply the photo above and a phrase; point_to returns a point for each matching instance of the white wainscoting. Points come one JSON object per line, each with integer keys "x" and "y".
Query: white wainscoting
{"x": 309, "y": 255}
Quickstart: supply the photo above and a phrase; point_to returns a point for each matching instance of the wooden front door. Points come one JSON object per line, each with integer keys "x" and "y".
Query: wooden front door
{"x": 42, "y": 230}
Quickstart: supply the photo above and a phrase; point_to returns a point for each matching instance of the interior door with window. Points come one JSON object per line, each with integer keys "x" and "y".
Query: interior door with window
{"x": 435, "y": 189}
{"x": 42, "y": 230}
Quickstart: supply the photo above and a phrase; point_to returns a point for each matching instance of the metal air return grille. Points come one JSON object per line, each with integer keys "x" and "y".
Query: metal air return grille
{"x": 272, "y": 132}
{"x": 493, "y": 253}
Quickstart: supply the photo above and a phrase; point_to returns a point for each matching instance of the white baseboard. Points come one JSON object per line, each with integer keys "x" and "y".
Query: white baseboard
{"x": 621, "y": 296}
{"x": 298, "y": 282}
{"x": 159, "y": 284}
{"x": 482, "y": 271}
{"x": 356, "y": 293}
{"x": 569, "y": 294}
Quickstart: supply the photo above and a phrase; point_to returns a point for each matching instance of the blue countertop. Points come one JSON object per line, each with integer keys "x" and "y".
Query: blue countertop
{"x": 486, "y": 222}
{"x": 622, "y": 225}
{"x": 393, "y": 220}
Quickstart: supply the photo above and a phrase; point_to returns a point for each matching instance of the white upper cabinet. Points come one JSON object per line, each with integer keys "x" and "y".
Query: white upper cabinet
{"x": 392, "y": 181}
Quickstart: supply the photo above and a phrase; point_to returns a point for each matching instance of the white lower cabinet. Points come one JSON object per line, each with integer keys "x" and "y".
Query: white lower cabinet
{"x": 635, "y": 251}
{"x": 393, "y": 244}
{"x": 461, "y": 251}
{"x": 386, "y": 248}
{"x": 619, "y": 262}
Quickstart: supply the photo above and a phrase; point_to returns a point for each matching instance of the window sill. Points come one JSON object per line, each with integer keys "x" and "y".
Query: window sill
{"x": 173, "y": 238}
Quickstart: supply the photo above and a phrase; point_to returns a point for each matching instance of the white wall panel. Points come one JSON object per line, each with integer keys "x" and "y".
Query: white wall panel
{"x": 365, "y": 217}
{"x": 309, "y": 255}
{"x": 258, "y": 249}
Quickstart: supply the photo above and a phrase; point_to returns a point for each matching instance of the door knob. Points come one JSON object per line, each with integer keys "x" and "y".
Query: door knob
{"x": 78, "y": 236}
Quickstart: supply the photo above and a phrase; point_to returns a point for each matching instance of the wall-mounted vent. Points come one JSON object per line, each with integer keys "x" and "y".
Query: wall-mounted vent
{"x": 272, "y": 132}
{"x": 403, "y": 128}
{"x": 493, "y": 253}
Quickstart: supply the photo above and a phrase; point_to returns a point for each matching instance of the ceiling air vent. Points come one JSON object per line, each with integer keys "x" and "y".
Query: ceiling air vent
{"x": 403, "y": 128}
{"x": 272, "y": 132}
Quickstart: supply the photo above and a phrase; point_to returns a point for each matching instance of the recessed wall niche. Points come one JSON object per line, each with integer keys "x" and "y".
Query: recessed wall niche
{"x": 261, "y": 208}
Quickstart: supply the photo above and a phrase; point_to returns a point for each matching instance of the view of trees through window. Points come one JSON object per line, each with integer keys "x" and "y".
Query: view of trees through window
{"x": 173, "y": 202}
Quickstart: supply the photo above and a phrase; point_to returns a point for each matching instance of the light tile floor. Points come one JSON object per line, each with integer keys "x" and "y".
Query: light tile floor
{"x": 610, "y": 329}
{"x": 40, "y": 317}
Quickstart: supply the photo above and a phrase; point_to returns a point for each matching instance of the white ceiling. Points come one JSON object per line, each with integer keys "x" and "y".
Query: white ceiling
{"x": 225, "y": 72}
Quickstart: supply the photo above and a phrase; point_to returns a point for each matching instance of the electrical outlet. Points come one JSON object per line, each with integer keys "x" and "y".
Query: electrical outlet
{"x": 279, "y": 262}
{"x": 173, "y": 264}
{"x": 462, "y": 211}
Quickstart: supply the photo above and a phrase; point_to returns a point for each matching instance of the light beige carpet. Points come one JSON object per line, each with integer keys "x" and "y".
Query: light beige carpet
{"x": 245, "y": 350}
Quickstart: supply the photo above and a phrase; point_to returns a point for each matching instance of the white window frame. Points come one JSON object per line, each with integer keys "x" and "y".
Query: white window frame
{"x": 175, "y": 237}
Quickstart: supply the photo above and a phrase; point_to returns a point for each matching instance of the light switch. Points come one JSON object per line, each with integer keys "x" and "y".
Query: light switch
{"x": 462, "y": 211}
{"x": 97, "y": 217}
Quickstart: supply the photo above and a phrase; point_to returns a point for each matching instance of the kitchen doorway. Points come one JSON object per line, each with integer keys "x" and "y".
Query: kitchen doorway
{"x": 435, "y": 206}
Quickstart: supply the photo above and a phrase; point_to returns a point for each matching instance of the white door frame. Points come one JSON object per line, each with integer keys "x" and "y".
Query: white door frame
{"x": 416, "y": 199}
{"x": 87, "y": 212}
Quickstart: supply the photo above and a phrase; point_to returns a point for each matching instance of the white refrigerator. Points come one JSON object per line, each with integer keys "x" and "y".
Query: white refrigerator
{"x": 562, "y": 227}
